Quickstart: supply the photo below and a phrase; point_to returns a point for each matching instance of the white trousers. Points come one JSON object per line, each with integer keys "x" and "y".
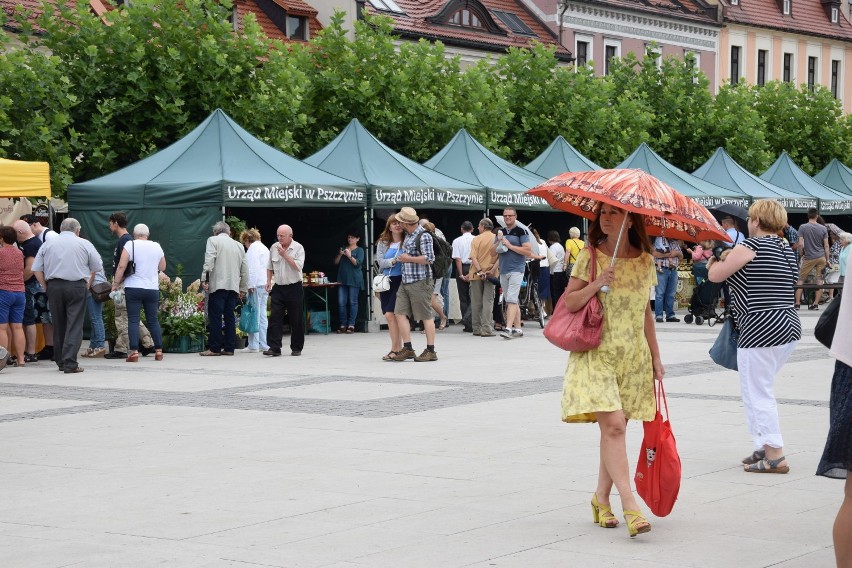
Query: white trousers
{"x": 758, "y": 367}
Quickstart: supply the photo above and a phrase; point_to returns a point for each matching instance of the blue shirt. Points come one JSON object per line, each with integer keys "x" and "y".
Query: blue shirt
{"x": 510, "y": 261}
{"x": 392, "y": 252}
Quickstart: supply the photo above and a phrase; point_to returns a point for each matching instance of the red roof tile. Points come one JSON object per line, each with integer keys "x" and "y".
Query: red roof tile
{"x": 692, "y": 10}
{"x": 806, "y": 17}
{"x": 417, "y": 21}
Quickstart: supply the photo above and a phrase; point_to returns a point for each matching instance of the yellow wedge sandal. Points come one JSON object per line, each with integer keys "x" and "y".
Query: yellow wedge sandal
{"x": 602, "y": 514}
{"x": 636, "y": 523}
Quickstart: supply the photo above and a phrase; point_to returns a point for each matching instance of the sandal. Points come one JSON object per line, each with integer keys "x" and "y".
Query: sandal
{"x": 636, "y": 523}
{"x": 767, "y": 466}
{"x": 602, "y": 514}
{"x": 341, "y": 329}
{"x": 350, "y": 329}
{"x": 390, "y": 356}
{"x": 755, "y": 457}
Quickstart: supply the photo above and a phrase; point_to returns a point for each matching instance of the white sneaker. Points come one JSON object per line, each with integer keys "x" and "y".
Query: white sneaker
{"x": 507, "y": 334}
{"x": 517, "y": 333}
{"x": 249, "y": 350}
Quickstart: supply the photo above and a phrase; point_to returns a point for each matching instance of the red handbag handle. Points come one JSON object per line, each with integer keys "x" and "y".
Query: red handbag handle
{"x": 660, "y": 394}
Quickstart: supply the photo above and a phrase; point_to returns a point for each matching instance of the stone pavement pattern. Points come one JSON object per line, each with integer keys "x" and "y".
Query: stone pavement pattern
{"x": 337, "y": 459}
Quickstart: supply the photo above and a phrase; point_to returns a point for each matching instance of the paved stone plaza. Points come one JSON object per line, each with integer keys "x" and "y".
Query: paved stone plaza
{"x": 338, "y": 459}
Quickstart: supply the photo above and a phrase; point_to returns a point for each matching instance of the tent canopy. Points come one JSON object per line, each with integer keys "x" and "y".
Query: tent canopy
{"x": 218, "y": 163}
{"x": 785, "y": 173}
{"x": 466, "y": 159}
{"x": 24, "y": 179}
{"x": 722, "y": 170}
{"x": 836, "y": 176}
{"x": 560, "y": 157}
{"x": 393, "y": 180}
{"x": 704, "y": 192}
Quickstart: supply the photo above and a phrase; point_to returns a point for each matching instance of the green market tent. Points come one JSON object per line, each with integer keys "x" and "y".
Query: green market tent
{"x": 722, "y": 170}
{"x": 837, "y": 176}
{"x": 392, "y": 180}
{"x": 179, "y": 192}
{"x": 560, "y": 157}
{"x": 466, "y": 159}
{"x": 785, "y": 173}
{"x": 704, "y": 192}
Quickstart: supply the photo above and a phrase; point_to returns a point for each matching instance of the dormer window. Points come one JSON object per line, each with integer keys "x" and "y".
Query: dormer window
{"x": 786, "y": 6}
{"x": 834, "y": 14}
{"x": 735, "y": 2}
{"x": 466, "y": 19}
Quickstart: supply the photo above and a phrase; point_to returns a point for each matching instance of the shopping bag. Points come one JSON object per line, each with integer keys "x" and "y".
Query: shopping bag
{"x": 248, "y": 315}
{"x": 658, "y": 470}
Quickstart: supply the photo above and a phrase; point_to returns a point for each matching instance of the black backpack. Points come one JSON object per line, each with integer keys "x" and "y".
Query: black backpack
{"x": 443, "y": 254}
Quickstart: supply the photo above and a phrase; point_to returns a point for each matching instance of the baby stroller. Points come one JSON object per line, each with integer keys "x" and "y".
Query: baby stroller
{"x": 703, "y": 303}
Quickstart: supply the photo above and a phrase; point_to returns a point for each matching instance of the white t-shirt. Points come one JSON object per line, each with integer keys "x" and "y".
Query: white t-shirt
{"x": 542, "y": 251}
{"x": 147, "y": 255}
{"x": 559, "y": 253}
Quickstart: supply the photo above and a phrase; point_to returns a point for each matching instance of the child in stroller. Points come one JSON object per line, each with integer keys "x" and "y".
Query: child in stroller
{"x": 702, "y": 304}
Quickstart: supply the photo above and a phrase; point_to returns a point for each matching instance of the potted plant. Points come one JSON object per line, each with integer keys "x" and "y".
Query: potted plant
{"x": 181, "y": 316}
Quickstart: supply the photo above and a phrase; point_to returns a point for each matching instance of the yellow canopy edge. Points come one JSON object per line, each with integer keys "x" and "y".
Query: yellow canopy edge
{"x": 24, "y": 179}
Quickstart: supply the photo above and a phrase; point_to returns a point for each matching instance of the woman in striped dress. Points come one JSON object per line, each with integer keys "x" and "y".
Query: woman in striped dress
{"x": 762, "y": 271}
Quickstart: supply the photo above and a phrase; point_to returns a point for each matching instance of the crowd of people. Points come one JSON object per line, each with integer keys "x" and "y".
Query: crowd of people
{"x": 47, "y": 276}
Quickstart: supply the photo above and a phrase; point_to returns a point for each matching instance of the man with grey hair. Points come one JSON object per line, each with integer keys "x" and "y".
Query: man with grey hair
{"x": 483, "y": 262}
{"x": 225, "y": 278}
{"x": 63, "y": 267}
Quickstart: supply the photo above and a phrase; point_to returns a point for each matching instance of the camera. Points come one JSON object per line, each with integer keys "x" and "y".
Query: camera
{"x": 717, "y": 252}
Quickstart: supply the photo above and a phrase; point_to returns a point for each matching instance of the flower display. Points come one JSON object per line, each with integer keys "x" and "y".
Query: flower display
{"x": 181, "y": 312}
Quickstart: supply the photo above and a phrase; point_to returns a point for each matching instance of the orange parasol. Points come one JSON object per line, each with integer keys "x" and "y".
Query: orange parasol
{"x": 667, "y": 212}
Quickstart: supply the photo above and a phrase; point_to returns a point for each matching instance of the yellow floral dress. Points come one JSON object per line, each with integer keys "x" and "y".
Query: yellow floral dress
{"x": 618, "y": 374}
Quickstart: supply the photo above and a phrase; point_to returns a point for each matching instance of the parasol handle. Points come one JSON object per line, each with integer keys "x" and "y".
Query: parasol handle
{"x": 605, "y": 289}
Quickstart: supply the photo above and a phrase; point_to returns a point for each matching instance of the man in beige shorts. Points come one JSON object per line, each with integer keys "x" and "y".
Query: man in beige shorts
{"x": 415, "y": 293}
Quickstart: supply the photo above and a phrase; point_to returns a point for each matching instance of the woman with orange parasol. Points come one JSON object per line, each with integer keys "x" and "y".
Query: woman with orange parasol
{"x": 614, "y": 382}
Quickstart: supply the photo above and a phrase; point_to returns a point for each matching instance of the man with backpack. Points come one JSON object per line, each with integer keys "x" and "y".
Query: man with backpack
{"x": 415, "y": 293}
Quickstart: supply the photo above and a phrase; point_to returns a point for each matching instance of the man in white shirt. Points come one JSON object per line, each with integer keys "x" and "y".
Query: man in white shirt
{"x": 284, "y": 284}
{"x": 461, "y": 258}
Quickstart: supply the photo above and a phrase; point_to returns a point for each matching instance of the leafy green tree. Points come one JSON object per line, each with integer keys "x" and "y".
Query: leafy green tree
{"x": 807, "y": 124}
{"x": 35, "y": 112}
{"x": 738, "y": 127}
{"x": 144, "y": 75}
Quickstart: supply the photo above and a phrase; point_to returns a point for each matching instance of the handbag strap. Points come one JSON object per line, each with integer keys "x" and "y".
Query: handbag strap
{"x": 593, "y": 269}
{"x": 660, "y": 395}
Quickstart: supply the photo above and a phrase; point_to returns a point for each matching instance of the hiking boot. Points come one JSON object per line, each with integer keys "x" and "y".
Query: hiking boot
{"x": 404, "y": 354}
{"x": 427, "y": 355}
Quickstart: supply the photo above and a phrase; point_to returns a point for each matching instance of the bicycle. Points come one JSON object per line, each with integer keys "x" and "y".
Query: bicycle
{"x": 529, "y": 300}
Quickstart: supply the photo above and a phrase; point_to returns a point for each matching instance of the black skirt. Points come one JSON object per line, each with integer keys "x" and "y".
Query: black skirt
{"x": 837, "y": 457}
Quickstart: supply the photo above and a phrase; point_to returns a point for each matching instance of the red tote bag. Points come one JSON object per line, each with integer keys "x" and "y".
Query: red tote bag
{"x": 658, "y": 470}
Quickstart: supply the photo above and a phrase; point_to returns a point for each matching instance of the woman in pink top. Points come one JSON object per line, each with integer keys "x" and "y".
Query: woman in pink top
{"x": 11, "y": 293}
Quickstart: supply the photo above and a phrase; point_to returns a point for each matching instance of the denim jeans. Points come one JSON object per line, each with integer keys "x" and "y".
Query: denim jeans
{"x": 136, "y": 299}
{"x": 220, "y": 311}
{"x": 258, "y": 340}
{"x": 347, "y": 301}
{"x": 96, "y": 315}
{"x": 665, "y": 293}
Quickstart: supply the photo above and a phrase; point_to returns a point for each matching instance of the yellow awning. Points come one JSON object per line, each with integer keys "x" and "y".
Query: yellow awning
{"x": 24, "y": 179}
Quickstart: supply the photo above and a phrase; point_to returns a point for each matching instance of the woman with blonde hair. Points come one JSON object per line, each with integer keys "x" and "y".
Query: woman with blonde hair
{"x": 388, "y": 247}
{"x": 762, "y": 271}
{"x": 614, "y": 382}
{"x": 257, "y": 258}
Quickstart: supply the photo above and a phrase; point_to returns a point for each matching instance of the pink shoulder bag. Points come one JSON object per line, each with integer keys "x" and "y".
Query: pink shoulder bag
{"x": 581, "y": 330}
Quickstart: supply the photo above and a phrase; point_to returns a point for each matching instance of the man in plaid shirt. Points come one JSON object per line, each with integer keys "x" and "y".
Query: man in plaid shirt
{"x": 415, "y": 293}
